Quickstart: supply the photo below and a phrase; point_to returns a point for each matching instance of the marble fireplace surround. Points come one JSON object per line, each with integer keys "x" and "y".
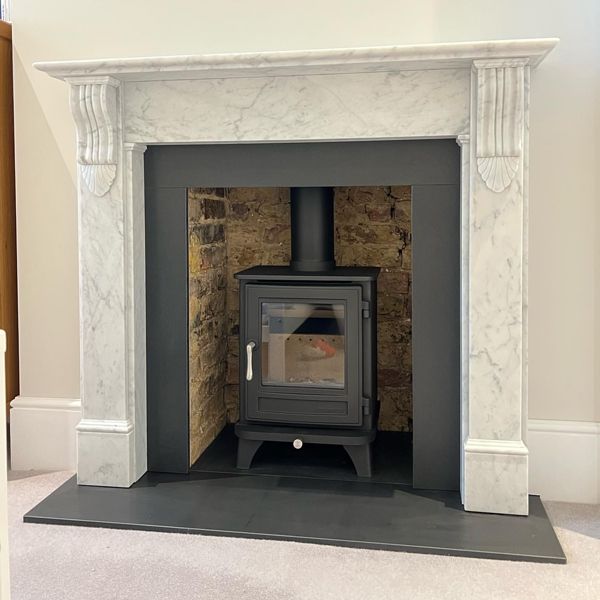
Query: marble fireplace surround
{"x": 477, "y": 93}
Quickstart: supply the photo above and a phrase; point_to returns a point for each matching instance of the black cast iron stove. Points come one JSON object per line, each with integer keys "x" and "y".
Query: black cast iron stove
{"x": 308, "y": 348}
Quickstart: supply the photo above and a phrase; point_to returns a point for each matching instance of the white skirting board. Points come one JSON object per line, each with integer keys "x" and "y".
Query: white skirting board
{"x": 564, "y": 460}
{"x": 42, "y": 433}
{"x": 564, "y": 456}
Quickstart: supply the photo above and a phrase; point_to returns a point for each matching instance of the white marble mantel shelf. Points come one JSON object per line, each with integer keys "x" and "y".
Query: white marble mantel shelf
{"x": 453, "y": 55}
{"x": 474, "y": 92}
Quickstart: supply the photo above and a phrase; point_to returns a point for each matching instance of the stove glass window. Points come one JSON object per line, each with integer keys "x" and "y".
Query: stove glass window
{"x": 302, "y": 344}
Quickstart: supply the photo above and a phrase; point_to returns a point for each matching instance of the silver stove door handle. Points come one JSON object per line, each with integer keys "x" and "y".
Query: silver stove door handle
{"x": 249, "y": 348}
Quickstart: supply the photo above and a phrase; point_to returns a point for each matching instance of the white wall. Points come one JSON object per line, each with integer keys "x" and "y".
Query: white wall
{"x": 565, "y": 126}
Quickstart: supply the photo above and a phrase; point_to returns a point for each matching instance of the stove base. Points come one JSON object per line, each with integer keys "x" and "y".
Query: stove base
{"x": 356, "y": 443}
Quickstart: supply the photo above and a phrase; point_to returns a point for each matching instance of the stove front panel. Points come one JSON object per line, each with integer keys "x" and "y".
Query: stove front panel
{"x": 301, "y": 354}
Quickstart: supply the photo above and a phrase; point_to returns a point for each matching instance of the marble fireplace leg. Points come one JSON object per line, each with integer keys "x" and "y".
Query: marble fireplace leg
{"x": 495, "y": 455}
{"x": 111, "y": 434}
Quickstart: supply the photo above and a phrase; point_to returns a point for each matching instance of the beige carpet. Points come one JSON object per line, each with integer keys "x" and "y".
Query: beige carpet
{"x": 56, "y": 562}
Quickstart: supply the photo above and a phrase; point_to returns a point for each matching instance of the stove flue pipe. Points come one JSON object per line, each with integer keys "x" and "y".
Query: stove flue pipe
{"x": 312, "y": 229}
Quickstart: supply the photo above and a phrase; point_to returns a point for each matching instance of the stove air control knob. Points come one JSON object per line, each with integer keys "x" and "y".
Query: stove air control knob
{"x": 297, "y": 443}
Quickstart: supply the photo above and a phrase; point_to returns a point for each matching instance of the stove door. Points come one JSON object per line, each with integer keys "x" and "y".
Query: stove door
{"x": 301, "y": 354}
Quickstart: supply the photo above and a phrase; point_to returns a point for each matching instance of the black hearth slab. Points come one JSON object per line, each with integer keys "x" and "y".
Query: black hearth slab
{"x": 392, "y": 459}
{"x": 285, "y": 273}
{"x": 343, "y": 513}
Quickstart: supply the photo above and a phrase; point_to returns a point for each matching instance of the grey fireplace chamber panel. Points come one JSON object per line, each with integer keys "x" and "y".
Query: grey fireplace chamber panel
{"x": 431, "y": 167}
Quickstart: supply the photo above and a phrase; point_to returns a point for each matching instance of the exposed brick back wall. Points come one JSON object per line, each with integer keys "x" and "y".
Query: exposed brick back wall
{"x": 207, "y": 277}
{"x": 236, "y": 228}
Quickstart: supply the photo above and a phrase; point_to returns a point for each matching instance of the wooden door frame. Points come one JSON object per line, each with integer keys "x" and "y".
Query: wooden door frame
{"x": 8, "y": 247}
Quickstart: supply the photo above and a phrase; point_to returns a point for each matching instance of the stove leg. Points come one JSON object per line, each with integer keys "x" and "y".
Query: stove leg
{"x": 361, "y": 458}
{"x": 246, "y": 451}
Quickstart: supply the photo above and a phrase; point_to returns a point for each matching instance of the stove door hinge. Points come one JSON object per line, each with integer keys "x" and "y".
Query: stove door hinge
{"x": 366, "y": 406}
{"x": 366, "y": 310}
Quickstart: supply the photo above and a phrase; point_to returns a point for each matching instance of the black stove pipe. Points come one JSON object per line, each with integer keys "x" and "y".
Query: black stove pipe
{"x": 312, "y": 229}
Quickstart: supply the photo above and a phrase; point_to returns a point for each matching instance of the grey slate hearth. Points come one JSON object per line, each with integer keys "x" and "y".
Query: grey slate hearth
{"x": 277, "y": 501}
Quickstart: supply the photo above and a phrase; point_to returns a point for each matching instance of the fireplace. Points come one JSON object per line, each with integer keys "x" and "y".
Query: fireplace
{"x": 308, "y": 343}
{"x": 476, "y": 93}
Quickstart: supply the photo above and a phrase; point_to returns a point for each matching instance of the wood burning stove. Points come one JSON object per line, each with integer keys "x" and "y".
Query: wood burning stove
{"x": 308, "y": 344}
